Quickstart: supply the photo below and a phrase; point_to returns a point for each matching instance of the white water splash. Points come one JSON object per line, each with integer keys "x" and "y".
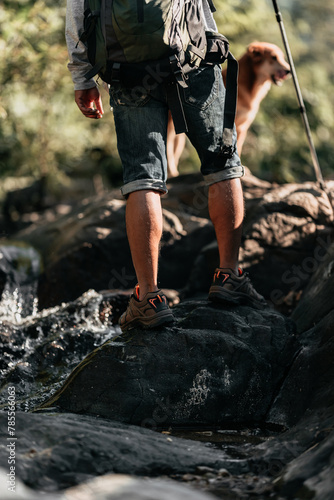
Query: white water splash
{"x": 19, "y": 297}
{"x": 11, "y": 305}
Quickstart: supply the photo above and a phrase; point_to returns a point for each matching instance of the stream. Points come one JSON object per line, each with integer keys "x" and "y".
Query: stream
{"x": 41, "y": 348}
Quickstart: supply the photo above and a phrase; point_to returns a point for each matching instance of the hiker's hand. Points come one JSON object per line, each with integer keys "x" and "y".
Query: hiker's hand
{"x": 89, "y": 102}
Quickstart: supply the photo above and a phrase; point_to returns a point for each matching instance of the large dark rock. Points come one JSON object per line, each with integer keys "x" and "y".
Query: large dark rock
{"x": 84, "y": 249}
{"x": 282, "y": 234}
{"x": 216, "y": 366}
{"x": 22, "y": 201}
{"x": 88, "y": 248}
{"x": 122, "y": 487}
{"x": 308, "y": 385}
{"x": 57, "y": 451}
{"x": 107, "y": 487}
{"x": 216, "y": 369}
{"x": 310, "y": 475}
{"x": 306, "y": 403}
{"x": 286, "y": 233}
{"x": 317, "y": 298}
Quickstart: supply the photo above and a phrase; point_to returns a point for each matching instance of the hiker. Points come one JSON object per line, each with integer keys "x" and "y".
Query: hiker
{"x": 141, "y": 116}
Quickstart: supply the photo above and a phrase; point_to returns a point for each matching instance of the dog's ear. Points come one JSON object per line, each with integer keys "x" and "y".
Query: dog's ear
{"x": 255, "y": 53}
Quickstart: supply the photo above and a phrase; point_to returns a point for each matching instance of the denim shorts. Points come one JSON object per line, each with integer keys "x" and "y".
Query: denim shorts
{"x": 141, "y": 117}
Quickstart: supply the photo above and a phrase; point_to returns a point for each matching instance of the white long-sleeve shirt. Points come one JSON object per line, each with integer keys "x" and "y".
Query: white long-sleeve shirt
{"x": 79, "y": 64}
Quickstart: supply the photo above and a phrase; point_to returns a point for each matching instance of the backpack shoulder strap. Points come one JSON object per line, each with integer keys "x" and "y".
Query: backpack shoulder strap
{"x": 211, "y": 5}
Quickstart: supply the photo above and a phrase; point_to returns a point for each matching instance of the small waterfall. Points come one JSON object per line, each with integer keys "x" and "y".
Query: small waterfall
{"x": 40, "y": 348}
{"x": 21, "y": 266}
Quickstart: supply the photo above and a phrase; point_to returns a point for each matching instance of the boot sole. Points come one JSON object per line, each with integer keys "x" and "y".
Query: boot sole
{"x": 150, "y": 324}
{"x": 223, "y": 297}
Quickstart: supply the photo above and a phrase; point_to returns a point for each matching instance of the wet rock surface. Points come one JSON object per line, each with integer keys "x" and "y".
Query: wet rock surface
{"x": 267, "y": 432}
{"x": 111, "y": 487}
{"x": 317, "y": 299}
{"x": 41, "y": 350}
{"x": 216, "y": 366}
{"x": 58, "y": 451}
{"x": 288, "y": 232}
{"x": 62, "y": 450}
{"x": 307, "y": 386}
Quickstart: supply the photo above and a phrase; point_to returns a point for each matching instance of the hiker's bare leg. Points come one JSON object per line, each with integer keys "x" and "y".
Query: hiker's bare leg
{"x": 144, "y": 230}
{"x": 226, "y": 208}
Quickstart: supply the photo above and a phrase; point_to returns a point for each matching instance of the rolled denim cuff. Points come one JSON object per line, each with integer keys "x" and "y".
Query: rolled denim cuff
{"x": 224, "y": 175}
{"x": 155, "y": 185}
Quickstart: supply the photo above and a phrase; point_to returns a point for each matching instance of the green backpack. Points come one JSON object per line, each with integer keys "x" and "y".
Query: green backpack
{"x": 147, "y": 42}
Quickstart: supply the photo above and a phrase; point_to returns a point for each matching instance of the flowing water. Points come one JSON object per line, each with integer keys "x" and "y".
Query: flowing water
{"x": 39, "y": 349}
{"x": 21, "y": 266}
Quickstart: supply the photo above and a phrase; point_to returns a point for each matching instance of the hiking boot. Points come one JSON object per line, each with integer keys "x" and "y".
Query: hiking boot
{"x": 231, "y": 288}
{"x": 150, "y": 312}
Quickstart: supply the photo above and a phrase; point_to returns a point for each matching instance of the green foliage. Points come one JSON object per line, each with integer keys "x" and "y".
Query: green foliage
{"x": 43, "y": 133}
{"x": 276, "y": 146}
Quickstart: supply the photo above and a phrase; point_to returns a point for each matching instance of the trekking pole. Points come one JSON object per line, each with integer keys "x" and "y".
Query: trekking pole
{"x": 302, "y": 109}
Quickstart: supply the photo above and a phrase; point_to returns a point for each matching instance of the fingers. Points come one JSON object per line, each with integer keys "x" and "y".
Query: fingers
{"x": 89, "y": 112}
{"x": 99, "y": 107}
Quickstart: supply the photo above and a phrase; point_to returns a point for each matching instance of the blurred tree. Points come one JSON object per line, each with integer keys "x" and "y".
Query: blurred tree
{"x": 276, "y": 147}
{"x": 42, "y": 133}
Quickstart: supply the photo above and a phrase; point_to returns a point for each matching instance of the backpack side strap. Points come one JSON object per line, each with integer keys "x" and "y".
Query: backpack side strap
{"x": 173, "y": 95}
{"x": 230, "y": 106}
{"x": 176, "y": 107}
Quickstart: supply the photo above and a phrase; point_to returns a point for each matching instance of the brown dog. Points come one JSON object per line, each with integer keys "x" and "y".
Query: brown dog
{"x": 261, "y": 65}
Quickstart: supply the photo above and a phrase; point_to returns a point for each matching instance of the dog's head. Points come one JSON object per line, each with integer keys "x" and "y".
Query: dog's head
{"x": 268, "y": 61}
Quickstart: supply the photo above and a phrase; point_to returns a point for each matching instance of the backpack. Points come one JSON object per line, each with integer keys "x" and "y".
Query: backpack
{"x": 147, "y": 42}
